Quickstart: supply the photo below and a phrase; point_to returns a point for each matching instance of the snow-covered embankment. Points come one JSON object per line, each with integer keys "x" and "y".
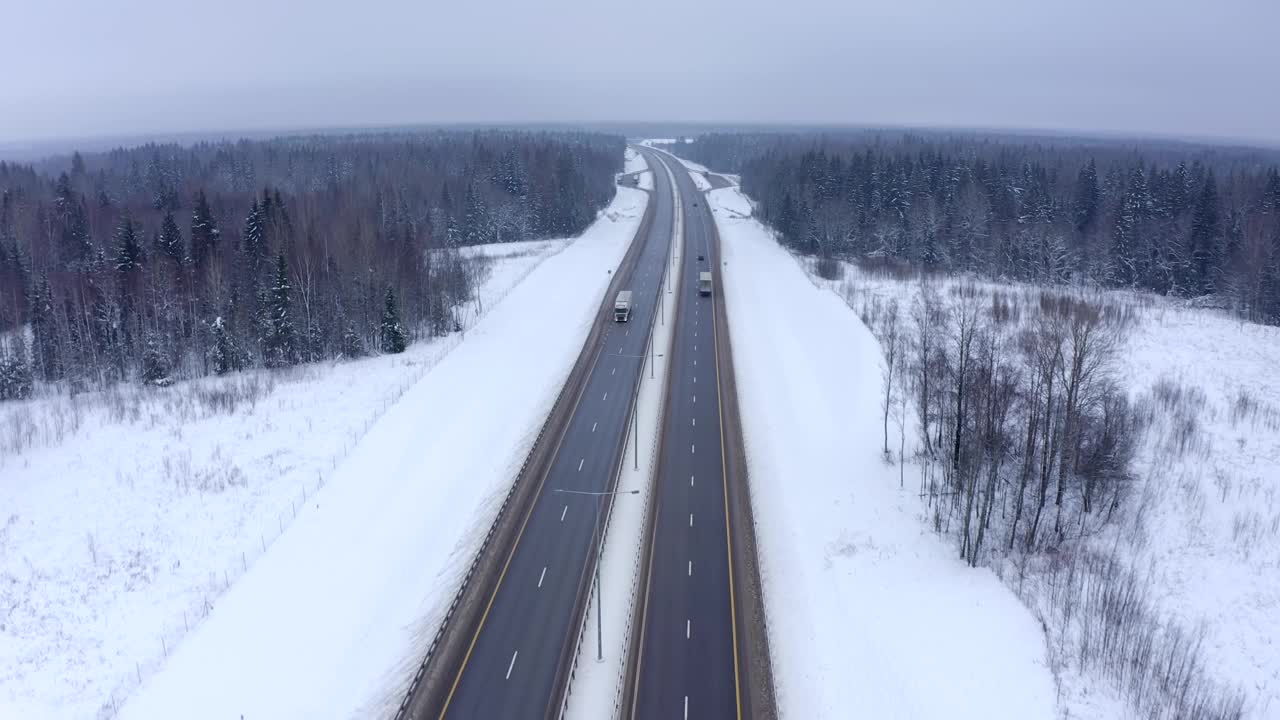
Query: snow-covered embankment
{"x": 870, "y": 615}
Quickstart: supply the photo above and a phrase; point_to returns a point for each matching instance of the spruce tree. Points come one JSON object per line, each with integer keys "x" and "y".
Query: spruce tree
{"x": 47, "y": 348}
{"x": 252, "y": 241}
{"x": 1205, "y": 238}
{"x": 155, "y": 363}
{"x": 204, "y": 231}
{"x": 475, "y": 220}
{"x": 278, "y": 343}
{"x": 1271, "y": 194}
{"x": 1124, "y": 242}
{"x": 128, "y": 250}
{"x": 352, "y": 344}
{"x": 391, "y": 335}
{"x": 76, "y": 246}
{"x": 15, "y": 370}
{"x": 1085, "y": 206}
{"x": 169, "y": 241}
{"x": 224, "y": 355}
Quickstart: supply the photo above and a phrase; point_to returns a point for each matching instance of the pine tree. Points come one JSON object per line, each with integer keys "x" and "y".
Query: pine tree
{"x": 1205, "y": 238}
{"x": 391, "y": 335}
{"x": 278, "y": 343}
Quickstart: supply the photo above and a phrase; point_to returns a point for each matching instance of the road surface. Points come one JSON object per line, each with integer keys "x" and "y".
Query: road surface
{"x": 686, "y": 663}
{"x": 516, "y": 660}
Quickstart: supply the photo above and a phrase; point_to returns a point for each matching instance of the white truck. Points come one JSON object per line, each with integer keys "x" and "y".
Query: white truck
{"x": 704, "y": 283}
{"x": 622, "y": 307}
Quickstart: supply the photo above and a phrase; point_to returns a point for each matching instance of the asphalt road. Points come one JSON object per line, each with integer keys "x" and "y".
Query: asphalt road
{"x": 687, "y": 662}
{"x": 529, "y": 628}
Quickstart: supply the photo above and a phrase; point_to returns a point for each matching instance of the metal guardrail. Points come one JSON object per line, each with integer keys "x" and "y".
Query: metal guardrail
{"x": 591, "y": 349}
{"x": 677, "y": 231}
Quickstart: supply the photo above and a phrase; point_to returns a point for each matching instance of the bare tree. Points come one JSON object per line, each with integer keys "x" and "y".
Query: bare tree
{"x": 890, "y": 338}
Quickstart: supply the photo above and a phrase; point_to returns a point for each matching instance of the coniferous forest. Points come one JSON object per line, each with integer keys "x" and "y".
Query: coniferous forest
{"x": 163, "y": 261}
{"x": 1174, "y": 218}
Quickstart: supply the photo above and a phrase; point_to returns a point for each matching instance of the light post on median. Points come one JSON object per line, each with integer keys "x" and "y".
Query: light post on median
{"x": 599, "y": 558}
{"x": 635, "y": 416}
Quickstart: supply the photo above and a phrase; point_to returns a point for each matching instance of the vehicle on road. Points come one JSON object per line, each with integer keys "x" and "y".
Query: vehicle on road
{"x": 622, "y": 307}
{"x": 699, "y": 258}
{"x": 704, "y": 283}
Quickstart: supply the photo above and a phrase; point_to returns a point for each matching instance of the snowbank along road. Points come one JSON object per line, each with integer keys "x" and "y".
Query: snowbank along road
{"x": 518, "y": 656}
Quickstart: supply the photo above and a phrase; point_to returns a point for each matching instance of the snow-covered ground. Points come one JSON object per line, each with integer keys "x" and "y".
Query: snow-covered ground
{"x": 700, "y": 181}
{"x": 1202, "y": 525}
{"x": 125, "y": 515}
{"x": 869, "y": 613}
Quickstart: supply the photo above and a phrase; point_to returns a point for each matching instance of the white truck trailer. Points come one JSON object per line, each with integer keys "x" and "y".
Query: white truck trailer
{"x": 622, "y": 307}
{"x": 704, "y": 283}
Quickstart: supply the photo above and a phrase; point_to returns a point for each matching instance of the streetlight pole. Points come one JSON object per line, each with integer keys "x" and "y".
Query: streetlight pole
{"x": 635, "y": 422}
{"x": 599, "y": 558}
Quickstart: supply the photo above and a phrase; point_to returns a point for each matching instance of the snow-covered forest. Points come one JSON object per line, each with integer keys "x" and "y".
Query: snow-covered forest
{"x": 1174, "y": 218}
{"x": 164, "y": 262}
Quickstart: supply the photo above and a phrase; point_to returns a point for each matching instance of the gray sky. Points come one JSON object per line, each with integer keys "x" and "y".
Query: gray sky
{"x": 111, "y": 67}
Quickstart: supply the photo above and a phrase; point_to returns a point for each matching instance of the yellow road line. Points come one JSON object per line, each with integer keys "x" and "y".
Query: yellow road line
{"x": 519, "y": 536}
{"x": 728, "y": 535}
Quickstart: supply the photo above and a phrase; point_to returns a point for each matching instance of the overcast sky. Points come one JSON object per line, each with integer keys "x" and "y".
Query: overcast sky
{"x": 112, "y": 67}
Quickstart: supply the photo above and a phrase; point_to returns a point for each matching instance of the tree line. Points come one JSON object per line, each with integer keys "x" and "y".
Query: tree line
{"x": 1177, "y": 219}
{"x": 163, "y": 261}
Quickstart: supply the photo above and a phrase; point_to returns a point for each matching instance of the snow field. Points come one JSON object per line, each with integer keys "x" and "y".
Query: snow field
{"x": 869, "y": 613}
{"x": 128, "y": 513}
{"x": 334, "y": 621}
{"x": 1201, "y": 525}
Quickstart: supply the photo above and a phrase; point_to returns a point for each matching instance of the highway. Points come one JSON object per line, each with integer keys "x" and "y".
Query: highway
{"x": 516, "y": 660}
{"x": 686, "y": 663}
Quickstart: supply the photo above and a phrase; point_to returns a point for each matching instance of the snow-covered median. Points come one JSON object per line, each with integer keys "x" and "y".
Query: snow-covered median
{"x": 870, "y": 615}
{"x": 124, "y": 524}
